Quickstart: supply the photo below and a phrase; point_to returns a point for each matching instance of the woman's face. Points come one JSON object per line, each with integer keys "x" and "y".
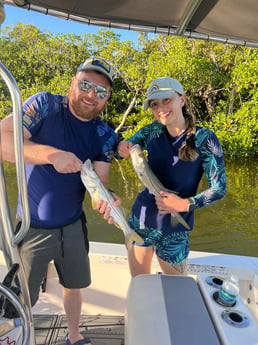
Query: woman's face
{"x": 168, "y": 111}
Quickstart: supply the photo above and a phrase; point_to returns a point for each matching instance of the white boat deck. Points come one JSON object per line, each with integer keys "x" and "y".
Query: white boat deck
{"x": 111, "y": 278}
{"x": 104, "y": 301}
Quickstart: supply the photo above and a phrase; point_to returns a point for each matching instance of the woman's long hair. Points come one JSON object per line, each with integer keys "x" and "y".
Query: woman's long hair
{"x": 188, "y": 152}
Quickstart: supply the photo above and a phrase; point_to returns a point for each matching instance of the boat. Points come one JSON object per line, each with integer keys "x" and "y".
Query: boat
{"x": 112, "y": 314}
{"x": 148, "y": 309}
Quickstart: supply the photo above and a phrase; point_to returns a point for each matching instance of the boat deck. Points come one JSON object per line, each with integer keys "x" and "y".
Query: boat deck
{"x": 101, "y": 329}
{"x": 104, "y": 300}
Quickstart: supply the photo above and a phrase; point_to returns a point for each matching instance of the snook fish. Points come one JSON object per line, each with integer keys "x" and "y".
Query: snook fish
{"x": 151, "y": 181}
{"x": 98, "y": 192}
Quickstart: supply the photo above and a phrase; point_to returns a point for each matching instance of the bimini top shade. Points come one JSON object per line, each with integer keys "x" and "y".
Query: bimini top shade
{"x": 227, "y": 21}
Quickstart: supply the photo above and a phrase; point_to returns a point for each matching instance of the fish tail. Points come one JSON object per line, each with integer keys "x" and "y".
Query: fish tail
{"x": 132, "y": 237}
{"x": 176, "y": 218}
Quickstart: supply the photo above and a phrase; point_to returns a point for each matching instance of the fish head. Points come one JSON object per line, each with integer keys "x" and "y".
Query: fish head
{"x": 137, "y": 157}
{"x": 88, "y": 175}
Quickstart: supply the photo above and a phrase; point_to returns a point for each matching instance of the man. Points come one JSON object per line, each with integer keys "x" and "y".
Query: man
{"x": 60, "y": 133}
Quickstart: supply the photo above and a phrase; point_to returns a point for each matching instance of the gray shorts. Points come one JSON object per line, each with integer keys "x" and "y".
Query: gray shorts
{"x": 67, "y": 246}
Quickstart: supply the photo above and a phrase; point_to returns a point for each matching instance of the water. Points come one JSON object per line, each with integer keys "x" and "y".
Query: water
{"x": 228, "y": 226}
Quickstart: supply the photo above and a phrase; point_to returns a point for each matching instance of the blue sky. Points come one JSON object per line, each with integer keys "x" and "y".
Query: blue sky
{"x": 57, "y": 25}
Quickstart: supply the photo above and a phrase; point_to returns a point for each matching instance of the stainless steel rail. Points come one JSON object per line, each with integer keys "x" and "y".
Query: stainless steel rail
{"x": 20, "y": 170}
{"x": 8, "y": 238}
{"x": 188, "y": 16}
{"x": 7, "y": 293}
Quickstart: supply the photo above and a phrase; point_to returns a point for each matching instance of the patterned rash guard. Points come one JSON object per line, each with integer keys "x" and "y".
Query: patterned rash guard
{"x": 177, "y": 175}
{"x": 55, "y": 199}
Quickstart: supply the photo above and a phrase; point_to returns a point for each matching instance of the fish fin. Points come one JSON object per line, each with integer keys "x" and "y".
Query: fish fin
{"x": 176, "y": 218}
{"x": 94, "y": 203}
{"x": 132, "y": 237}
{"x": 118, "y": 226}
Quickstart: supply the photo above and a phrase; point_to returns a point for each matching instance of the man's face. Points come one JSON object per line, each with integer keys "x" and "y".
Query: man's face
{"x": 86, "y": 105}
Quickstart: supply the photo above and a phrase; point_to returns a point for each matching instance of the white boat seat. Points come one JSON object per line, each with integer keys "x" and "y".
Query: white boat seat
{"x": 167, "y": 310}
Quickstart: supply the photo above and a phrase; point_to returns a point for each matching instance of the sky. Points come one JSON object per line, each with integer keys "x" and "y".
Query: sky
{"x": 57, "y": 25}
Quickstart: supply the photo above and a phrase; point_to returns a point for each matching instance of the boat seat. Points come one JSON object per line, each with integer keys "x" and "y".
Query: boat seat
{"x": 168, "y": 310}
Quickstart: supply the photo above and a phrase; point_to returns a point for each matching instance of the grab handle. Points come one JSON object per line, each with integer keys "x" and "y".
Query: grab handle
{"x": 18, "y": 149}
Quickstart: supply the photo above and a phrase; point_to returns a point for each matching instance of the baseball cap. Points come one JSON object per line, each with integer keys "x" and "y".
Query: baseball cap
{"x": 163, "y": 87}
{"x": 99, "y": 64}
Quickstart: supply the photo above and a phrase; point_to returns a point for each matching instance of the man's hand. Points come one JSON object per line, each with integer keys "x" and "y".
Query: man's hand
{"x": 102, "y": 208}
{"x": 65, "y": 162}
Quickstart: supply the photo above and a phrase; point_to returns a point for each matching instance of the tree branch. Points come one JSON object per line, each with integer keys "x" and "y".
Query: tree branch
{"x": 127, "y": 112}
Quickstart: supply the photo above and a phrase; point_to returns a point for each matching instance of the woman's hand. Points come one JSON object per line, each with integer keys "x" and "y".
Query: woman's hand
{"x": 170, "y": 202}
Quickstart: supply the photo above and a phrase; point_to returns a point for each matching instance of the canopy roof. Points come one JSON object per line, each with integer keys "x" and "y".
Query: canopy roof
{"x": 228, "y": 21}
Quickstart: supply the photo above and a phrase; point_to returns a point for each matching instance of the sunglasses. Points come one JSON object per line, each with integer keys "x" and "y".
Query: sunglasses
{"x": 99, "y": 91}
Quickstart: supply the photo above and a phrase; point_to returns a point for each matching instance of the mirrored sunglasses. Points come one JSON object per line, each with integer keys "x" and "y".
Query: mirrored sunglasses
{"x": 99, "y": 91}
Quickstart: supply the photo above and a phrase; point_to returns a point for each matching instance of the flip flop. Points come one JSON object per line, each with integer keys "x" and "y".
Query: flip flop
{"x": 79, "y": 342}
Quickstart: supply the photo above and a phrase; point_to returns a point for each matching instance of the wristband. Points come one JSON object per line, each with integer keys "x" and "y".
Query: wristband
{"x": 191, "y": 204}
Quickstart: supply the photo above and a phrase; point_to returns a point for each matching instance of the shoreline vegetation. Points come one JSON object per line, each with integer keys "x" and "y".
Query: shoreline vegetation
{"x": 220, "y": 80}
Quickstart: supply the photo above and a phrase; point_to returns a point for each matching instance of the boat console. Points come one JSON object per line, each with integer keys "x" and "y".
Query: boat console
{"x": 235, "y": 324}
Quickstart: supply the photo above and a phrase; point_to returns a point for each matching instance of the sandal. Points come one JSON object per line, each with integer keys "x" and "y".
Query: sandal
{"x": 79, "y": 342}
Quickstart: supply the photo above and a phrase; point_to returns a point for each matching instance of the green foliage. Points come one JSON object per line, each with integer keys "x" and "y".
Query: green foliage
{"x": 219, "y": 80}
{"x": 237, "y": 132}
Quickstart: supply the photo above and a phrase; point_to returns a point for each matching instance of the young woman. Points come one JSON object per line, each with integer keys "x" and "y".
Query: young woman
{"x": 178, "y": 153}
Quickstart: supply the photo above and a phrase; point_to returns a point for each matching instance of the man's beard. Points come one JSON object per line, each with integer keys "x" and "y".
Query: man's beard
{"x": 82, "y": 113}
{"x": 79, "y": 110}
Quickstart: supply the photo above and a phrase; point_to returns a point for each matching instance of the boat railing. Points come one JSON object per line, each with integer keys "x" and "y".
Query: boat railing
{"x": 11, "y": 306}
{"x": 18, "y": 147}
{"x": 10, "y": 240}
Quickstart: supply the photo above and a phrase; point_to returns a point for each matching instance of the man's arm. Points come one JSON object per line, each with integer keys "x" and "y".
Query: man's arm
{"x": 102, "y": 169}
{"x": 63, "y": 161}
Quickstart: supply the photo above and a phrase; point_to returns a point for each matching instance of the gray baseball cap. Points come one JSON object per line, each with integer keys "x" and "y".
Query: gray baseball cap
{"x": 163, "y": 87}
{"x": 99, "y": 64}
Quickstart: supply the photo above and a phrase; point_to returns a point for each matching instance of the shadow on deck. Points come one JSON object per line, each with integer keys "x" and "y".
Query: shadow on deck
{"x": 102, "y": 330}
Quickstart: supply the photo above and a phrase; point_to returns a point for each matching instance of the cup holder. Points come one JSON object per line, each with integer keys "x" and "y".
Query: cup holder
{"x": 221, "y": 302}
{"x": 214, "y": 281}
{"x": 235, "y": 318}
